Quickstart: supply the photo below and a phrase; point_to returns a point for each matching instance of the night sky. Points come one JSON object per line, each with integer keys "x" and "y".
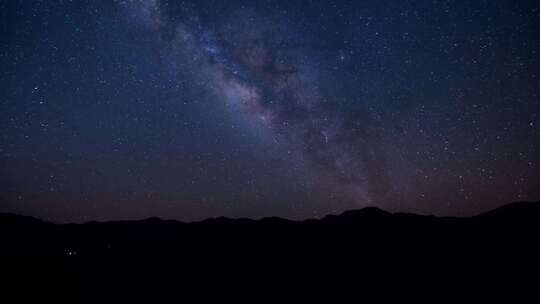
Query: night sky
{"x": 195, "y": 109}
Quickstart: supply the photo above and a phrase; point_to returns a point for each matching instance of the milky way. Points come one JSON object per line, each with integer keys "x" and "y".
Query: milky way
{"x": 255, "y": 63}
{"x": 196, "y": 109}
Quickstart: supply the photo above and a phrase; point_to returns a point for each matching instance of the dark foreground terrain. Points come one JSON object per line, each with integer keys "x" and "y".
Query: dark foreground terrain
{"x": 153, "y": 260}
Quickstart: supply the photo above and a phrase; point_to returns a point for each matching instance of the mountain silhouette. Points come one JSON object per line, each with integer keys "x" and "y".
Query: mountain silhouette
{"x": 28, "y": 236}
{"x": 127, "y": 261}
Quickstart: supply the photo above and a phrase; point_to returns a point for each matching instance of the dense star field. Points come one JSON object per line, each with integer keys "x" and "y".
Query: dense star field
{"x": 196, "y": 109}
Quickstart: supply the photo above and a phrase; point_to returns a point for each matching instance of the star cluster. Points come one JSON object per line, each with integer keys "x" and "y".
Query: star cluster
{"x": 194, "y": 109}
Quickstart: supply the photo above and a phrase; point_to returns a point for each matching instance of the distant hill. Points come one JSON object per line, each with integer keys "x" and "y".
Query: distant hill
{"x": 151, "y": 260}
{"x": 351, "y": 230}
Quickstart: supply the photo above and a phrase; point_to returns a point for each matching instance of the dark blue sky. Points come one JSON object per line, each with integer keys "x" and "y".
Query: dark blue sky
{"x": 194, "y": 109}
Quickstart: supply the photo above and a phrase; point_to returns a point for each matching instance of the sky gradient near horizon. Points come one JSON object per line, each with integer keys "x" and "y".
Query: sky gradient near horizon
{"x": 195, "y": 109}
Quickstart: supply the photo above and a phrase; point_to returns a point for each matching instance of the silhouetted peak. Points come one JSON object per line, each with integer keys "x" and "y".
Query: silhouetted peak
{"x": 524, "y": 210}
{"x": 365, "y": 212}
{"x": 516, "y": 209}
{"x": 10, "y": 218}
{"x": 153, "y": 220}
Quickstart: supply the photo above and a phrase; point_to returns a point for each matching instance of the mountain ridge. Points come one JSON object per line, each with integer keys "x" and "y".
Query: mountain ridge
{"x": 370, "y": 211}
{"x": 358, "y": 244}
